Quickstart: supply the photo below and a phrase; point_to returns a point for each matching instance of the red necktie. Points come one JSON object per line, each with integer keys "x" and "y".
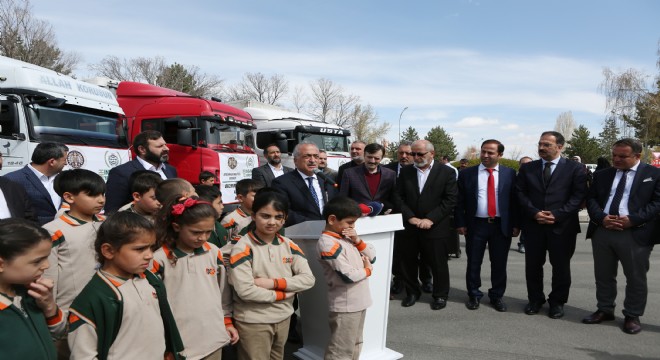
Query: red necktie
{"x": 492, "y": 208}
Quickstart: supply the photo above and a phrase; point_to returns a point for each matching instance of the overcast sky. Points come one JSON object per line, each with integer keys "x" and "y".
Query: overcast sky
{"x": 501, "y": 69}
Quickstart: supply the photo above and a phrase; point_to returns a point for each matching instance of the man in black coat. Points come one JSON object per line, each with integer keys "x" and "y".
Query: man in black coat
{"x": 550, "y": 191}
{"x": 152, "y": 154}
{"x": 357, "y": 158}
{"x": 14, "y": 202}
{"x": 623, "y": 205}
{"x": 428, "y": 195}
{"x": 273, "y": 168}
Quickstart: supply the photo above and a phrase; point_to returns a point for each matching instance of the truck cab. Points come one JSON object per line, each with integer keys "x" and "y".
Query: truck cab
{"x": 202, "y": 134}
{"x": 40, "y": 105}
{"x": 275, "y": 125}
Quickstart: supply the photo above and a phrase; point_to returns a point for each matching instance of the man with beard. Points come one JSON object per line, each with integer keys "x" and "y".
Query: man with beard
{"x": 550, "y": 191}
{"x": 38, "y": 179}
{"x": 272, "y": 169}
{"x": 152, "y": 154}
{"x": 357, "y": 158}
{"x": 428, "y": 195}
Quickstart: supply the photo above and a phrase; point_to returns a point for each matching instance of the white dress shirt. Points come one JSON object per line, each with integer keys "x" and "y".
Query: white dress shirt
{"x": 48, "y": 184}
{"x": 553, "y": 167}
{"x": 277, "y": 172}
{"x": 423, "y": 175}
{"x": 623, "y": 206}
{"x": 482, "y": 191}
{"x": 147, "y": 166}
{"x": 316, "y": 186}
{"x": 4, "y": 208}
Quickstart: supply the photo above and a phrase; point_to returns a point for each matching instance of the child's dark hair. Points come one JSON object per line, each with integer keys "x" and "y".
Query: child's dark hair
{"x": 208, "y": 193}
{"x": 79, "y": 180}
{"x": 341, "y": 207}
{"x": 142, "y": 181}
{"x": 269, "y": 196}
{"x": 171, "y": 189}
{"x": 19, "y": 235}
{"x": 205, "y": 175}
{"x": 120, "y": 229}
{"x": 246, "y": 186}
{"x": 183, "y": 212}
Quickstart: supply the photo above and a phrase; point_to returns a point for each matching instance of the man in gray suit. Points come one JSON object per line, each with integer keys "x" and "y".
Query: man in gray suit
{"x": 274, "y": 168}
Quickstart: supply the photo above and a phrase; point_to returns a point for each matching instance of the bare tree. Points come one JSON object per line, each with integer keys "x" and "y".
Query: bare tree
{"x": 565, "y": 124}
{"x": 344, "y": 111}
{"x": 259, "y": 87}
{"x": 471, "y": 152}
{"x": 324, "y": 98}
{"x": 299, "y": 99}
{"x": 32, "y": 40}
{"x": 365, "y": 126}
{"x": 155, "y": 71}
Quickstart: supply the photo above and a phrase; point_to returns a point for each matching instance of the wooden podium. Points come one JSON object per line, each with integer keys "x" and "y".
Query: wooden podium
{"x": 378, "y": 231}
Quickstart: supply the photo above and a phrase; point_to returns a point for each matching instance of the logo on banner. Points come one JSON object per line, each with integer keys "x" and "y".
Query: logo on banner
{"x": 250, "y": 162}
{"x": 75, "y": 159}
{"x": 232, "y": 162}
{"x": 112, "y": 159}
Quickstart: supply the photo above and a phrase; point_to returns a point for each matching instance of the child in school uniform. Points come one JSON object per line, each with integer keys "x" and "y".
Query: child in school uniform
{"x": 213, "y": 195}
{"x": 207, "y": 178}
{"x": 143, "y": 185}
{"x": 29, "y": 317}
{"x": 193, "y": 271}
{"x": 267, "y": 269}
{"x": 346, "y": 261}
{"x": 123, "y": 313}
{"x": 173, "y": 188}
{"x": 240, "y": 218}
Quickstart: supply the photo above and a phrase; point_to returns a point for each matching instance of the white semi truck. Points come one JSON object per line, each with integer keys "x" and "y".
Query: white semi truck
{"x": 275, "y": 125}
{"x": 40, "y": 105}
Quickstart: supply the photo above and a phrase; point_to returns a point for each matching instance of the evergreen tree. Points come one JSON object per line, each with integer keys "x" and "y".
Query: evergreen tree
{"x": 443, "y": 143}
{"x": 410, "y": 134}
{"x": 584, "y": 145}
{"x": 608, "y": 136}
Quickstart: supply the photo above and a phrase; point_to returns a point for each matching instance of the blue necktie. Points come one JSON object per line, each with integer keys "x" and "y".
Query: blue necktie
{"x": 618, "y": 194}
{"x": 310, "y": 181}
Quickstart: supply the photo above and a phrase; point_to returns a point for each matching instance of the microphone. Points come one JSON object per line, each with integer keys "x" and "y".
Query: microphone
{"x": 371, "y": 208}
{"x": 325, "y": 178}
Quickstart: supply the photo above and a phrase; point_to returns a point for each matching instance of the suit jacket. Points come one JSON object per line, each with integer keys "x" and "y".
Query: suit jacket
{"x": 643, "y": 203}
{"x": 301, "y": 203}
{"x": 354, "y": 185}
{"x": 18, "y": 202}
{"x": 435, "y": 202}
{"x": 117, "y": 192}
{"x": 264, "y": 174}
{"x": 42, "y": 203}
{"x": 562, "y": 196}
{"x": 468, "y": 188}
{"x": 340, "y": 171}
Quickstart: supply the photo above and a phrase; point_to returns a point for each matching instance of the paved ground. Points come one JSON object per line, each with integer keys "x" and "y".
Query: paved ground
{"x": 458, "y": 333}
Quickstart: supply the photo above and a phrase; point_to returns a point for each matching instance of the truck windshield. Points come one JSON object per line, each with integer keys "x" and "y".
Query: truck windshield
{"x": 76, "y": 126}
{"x": 325, "y": 142}
{"x": 218, "y": 134}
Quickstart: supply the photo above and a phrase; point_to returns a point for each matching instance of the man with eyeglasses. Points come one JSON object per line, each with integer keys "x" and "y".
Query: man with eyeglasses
{"x": 623, "y": 204}
{"x": 307, "y": 193}
{"x": 428, "y": 195}
{"x": 357, "y": 158}
{"x": 550, "y": 191}
{"x": 14, "y": 201}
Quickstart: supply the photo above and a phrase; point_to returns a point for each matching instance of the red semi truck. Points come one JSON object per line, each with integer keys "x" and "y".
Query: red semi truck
{"x": 202, "y": 134}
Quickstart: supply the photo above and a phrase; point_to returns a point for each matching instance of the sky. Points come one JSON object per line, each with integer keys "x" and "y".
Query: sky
{"x": 481, "y": 69}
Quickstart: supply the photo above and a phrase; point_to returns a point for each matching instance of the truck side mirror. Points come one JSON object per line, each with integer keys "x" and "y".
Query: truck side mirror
{"x": 282, "y": 143}
{"x": 184, "y": 137}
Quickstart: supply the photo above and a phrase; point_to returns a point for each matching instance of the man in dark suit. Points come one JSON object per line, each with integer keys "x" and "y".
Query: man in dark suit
{"x": 14, "y": 202}
{"x": 550, "y": 192}
{"x": 370, "y": 181}
{"x": 152, "y": 154}
{"x": 623, "y": 205}
{"x": 38, "y": 177}
{"x": 273, "y": 167}
{"x": 428, "y": 196}
{"x": 486, "y": 214}
{"x": 357, "y": 158}
{"x": 307, "y": 193}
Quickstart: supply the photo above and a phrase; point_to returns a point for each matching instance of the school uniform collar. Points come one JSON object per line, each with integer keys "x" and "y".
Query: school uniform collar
{"x": 241, "y": 212}
{"x": 332, "y": 234}
{"x": 278, "y": 239}
{"x": 73, "y": 221}
{"x": 175, "y": 252}
{"x": 5, "y": 302}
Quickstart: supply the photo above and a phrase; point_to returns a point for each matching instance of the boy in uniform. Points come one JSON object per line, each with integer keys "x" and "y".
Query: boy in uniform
{"x": 72, "y": 258}
{"x": 143, "y": 191}
{"x": 240, "y": 218}
{"x": 213, "y": 195}
{"x": 346, "y": 261}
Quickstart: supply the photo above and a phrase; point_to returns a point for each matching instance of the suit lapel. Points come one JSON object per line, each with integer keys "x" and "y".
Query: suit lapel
{"x": 304, "y": 188}
{"x": 32, "y": 178}
{"x": 432, "y": 175}
{"x": 639, "y": 177}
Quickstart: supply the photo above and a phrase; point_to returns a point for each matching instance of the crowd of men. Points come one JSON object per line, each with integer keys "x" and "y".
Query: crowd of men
{"x": 489, "y": 204}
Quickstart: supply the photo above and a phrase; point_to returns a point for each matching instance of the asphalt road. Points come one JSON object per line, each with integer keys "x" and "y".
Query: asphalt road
{"x": 458, "y": 333}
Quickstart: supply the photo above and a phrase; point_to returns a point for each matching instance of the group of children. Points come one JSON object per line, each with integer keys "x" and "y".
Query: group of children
{"x": 172, "y": 280}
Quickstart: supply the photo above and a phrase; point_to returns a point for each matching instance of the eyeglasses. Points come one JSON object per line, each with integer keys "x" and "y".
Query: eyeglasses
{"x": 415, "y": 154}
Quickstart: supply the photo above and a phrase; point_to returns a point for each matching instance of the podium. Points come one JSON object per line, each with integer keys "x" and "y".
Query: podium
{"x": 377, "y": 231}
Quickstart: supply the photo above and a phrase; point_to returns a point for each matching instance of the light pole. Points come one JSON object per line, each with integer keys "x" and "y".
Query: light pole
{"x": 400, "y": 115}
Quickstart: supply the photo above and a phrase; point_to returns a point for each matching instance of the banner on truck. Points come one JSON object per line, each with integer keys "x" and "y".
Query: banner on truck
{"x": 234, "y": 167}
